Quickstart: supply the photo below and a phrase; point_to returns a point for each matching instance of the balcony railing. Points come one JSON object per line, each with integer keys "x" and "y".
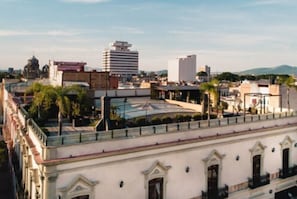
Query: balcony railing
{"x": 86, "y": 137}
{"x": 259, "y": 181}
{"x": 285, "y": 173}
{"x": 221, "y": 193}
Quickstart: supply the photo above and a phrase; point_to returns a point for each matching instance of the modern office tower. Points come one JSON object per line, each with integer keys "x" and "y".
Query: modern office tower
{"x": 120, "y": 60}
{"x": 182, "y": 69}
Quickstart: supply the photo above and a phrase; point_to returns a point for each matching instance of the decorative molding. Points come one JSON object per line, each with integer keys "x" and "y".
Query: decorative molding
{"x": 258, "y": 149}
{"x": 214, "y": 158}
{"x": 286, "y": 143}
{"x": 157, "y": 168}
{"x": 79, "y": 186}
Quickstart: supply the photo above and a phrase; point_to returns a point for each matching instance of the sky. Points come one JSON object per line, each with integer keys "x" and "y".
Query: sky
{"x": 227, "y": 35}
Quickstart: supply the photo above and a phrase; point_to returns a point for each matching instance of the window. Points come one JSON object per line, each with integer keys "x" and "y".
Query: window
{"x": 155, "y": 181}
{"x": 286, "y": 145}
{"x": 259, "y": 178}
{"x": 213, "y": 181}
{"x": 156, "y": 188}
{"x": 213, "y": 169}
{"x": 257, "y": 155}
{"x": 285, "y": 160}
{"x": 287, "y": 169}
{"x": 256, "y": 167}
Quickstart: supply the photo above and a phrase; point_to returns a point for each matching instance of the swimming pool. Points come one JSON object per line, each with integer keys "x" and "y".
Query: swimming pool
{"x": 144, "y": 106}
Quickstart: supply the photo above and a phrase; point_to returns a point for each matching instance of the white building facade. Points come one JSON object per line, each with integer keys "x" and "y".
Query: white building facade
{"x": 120, "y": 60}
{"x": 182, "y": 69}
{"x": 232, "y": 158}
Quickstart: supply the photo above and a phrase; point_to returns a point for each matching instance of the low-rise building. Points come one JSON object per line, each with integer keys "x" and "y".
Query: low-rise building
{"x": 251, "y": 157}
{"x": 69, "y": 73}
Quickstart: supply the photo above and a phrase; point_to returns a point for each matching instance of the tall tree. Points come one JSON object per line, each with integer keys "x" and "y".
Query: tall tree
{"x": 210, "y": 88}
{"x": 63, "y": 103}
{"x": 45, "y": 96}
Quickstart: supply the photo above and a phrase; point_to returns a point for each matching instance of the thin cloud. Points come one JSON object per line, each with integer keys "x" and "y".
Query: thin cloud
{"x": 183, "y": 32}
{"x": 129, "y": 30}
{"x": 13, "y": 33}
{"x": 61, "y": 33}
{"x": 7, "y": 33}
{"x": 269, "y": 2}
{"x": 85, "y": 1}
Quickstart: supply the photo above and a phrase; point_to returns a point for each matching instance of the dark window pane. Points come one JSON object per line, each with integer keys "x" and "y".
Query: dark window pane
{"x": 156, "y": 188}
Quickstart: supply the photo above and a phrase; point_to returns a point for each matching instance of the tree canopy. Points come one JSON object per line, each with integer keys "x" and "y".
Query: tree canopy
{"x": 71, "y": 101}
{"x": 227, "y": 76}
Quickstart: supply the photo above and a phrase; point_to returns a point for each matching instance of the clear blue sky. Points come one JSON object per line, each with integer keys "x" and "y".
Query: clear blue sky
{"x": 228, "y": 35}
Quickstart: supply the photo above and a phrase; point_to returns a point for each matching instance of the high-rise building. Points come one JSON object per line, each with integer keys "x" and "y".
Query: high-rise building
{"x": 120, "y": 60}
{"x": 182, "y": 69}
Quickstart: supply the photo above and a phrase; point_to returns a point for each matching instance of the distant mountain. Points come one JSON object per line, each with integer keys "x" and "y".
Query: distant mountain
{"x": 282, "y": 69}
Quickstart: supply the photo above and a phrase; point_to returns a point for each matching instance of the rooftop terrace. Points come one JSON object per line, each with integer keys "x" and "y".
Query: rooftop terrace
{"x": 82, "y": 135}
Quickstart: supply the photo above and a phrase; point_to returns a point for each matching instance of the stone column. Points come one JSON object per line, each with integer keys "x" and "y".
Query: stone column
{"x": 49, "y": 189}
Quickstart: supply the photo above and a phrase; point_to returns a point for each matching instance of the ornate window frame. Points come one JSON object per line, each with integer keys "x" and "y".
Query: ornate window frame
{"x": 157, "y": 170}
{"x": 79, "y": 186}
{"x": 214, "y": 158}
{"x": 287, "y": 143}
{"x": 258, "y": 149}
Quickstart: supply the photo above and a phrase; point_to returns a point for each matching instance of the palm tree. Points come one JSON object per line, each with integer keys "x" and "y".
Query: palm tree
{"x": 289, "y": 82}
{"x": 63, "y": 103}
{"x": 211, "y": 89}
{"x": 46, "y": 95}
